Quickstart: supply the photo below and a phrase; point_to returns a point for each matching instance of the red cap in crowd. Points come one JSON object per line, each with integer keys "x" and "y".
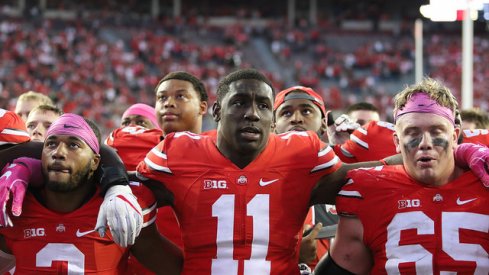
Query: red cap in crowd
{"x": 301, "y": 93}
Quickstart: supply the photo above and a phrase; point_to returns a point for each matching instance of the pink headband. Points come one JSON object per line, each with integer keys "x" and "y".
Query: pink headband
{"x": 422, "y": 103}
{"x": 74, "y": 125}
{"x": 142, "y": 110}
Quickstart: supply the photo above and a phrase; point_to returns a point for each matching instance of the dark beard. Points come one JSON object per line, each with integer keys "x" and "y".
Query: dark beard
{"x": 76, "y": 180}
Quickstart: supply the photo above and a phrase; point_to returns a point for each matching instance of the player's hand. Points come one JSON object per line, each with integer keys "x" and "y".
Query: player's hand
{"x": 307, "y": 252}
{"x": 14, "y": 180}
{"x": 339, "y": 132}
{"x": 475, "y": 157}
{"x": 122, "y": 213}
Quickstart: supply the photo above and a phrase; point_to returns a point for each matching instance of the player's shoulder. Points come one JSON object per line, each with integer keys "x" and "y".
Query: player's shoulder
{"x": 302, "y": 144}
{"x": 186, "y": 137}
{"x": 175, "y": 142}
{"x": 133, "y": 133}
{"x": 374, "y": 127}
{"x": 372, "y": 177}
{"x": 12, "y": 128}
{"x": 304, "y": 138}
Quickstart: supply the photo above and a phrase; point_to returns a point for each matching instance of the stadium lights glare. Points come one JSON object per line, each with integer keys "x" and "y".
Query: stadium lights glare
{"x": 451, "y": 10}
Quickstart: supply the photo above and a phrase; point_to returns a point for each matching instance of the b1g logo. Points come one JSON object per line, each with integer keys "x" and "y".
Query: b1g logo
{"x": 408, "y": 203}
{"x": 215, "y": 184}
{"x": 34, "y": 232}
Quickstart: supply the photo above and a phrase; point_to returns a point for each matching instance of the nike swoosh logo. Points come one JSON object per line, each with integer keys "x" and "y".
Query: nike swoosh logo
{"x": 6, "y": 175}
{"x": 265, "y": 183}
{"x": 460, "y": 202}
{"x": 81, "y": 234}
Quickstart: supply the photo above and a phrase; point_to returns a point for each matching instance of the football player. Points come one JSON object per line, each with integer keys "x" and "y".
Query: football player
{"x": 426, "y": 216}
{"x": 55, "y": 234}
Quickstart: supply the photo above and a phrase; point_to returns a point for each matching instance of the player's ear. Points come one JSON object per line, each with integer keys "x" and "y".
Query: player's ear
{"x": 216, "y": 111}
{"x": 324, "y": 126}
{"x": 202, "y": 107}
{"x": 456, "y": 135}
{"x": 396, "y": 142}
{"x": 94, "y": 163}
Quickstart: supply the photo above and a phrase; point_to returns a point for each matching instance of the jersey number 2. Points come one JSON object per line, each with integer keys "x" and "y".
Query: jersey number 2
{"x": 62, "y": 252}
{"x": 223, "y": 210}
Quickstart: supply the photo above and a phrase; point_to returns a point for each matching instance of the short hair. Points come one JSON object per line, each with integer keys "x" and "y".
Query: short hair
{"x": 48, "y": 108}
{"x": 31, "y": 95}
{"x": 223, "y": 86}
{"x": 95, "y": 130}
{"x": 362, "y": 106}
{"x": 479, "y": 117}
{"x": 438, "y": 92}
{"x": 181, "y": 75}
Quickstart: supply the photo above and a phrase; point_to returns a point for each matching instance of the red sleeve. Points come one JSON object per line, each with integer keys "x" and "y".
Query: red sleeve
{"x": 12, "y": 128}
{"x": 350, "y": 198}
{"x": 155, "y": 161}
{"x": 477, "y": 136}
{"x": 372, "y": 142}
{"x": 327, "y": 161}
{"x": 133, "y": 143}
{"x": 146, "y": 200}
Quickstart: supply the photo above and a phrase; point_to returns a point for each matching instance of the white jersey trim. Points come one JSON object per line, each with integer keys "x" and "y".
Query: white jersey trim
{"x": 157, "y": 167}
{"x": 359, "y": 141}
{"x": 326, "y": 165}
{"x": 354, "y": 194}
{"x": 158, "y": 153}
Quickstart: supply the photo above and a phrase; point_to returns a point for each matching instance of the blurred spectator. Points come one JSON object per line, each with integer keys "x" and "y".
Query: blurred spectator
{"x": 363, "y": 112}
{"x": 474, "y": 119}
{"x": 28, "y": 101}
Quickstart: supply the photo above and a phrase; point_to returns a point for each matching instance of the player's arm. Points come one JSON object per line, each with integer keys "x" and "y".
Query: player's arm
{"x": 156, "y": 252}
{"x": 348, "y": 254}
{"x": 329, "y": 185}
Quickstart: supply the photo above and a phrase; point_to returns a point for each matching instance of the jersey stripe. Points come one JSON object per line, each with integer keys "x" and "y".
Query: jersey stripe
{"x": 353, "y": 194}
{"x": 158, "y": 153}
{"x": 152, "y": 220}
{"x": 157, "y": 167}
{"x": 326, "y": 165}
{"x": 14, "y": 132}
{"x": 323, "y": 152}
{"x": 149, "y": 209}
{"x": 346, "y": 152}
{"x": 359, "y": 141}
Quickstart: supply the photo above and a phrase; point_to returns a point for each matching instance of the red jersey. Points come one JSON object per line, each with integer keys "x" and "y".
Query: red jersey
{"x": 12, "y": 128}
{"x": 477, "y": 136}
{"x": 240, "y": 221}
{"x": 415, "y": 229}
{"x": 373, "y": 141}
{"x": 132, "y": 143}
{"x": 47, "y": 242}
